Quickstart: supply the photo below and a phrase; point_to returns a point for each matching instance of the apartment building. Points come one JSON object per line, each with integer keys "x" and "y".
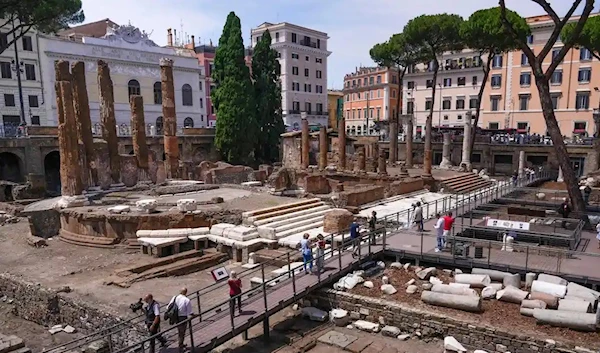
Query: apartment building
{"x": 370, "y": 96}
{"x": 29, "y": 101}
{"x": 459, "y": 79}
{"x": 303, "y": 57}
{"x": 511, "y": 97}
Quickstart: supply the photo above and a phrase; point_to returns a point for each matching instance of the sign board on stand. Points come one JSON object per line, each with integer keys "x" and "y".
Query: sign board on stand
{"x": 499, "y": 223}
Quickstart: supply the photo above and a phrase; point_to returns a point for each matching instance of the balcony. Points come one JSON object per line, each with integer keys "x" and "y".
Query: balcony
{"x": 308, "y": 43}
{"x": 308, "y": 112}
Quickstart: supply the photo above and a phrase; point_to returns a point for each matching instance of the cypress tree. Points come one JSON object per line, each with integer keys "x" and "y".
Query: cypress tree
{"x": 267, "y": 97}
{"x": 236, "y": 128}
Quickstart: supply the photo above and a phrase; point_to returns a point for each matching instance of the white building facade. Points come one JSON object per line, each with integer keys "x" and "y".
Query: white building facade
{"x": 303, "y": 58}
{"x": 458, "y": 83}
{"x": 133, "y": 60}
{"x": 31, "y": 82}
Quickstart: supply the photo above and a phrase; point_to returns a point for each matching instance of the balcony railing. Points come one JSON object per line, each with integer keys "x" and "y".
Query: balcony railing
{"x": 308, "y": 43}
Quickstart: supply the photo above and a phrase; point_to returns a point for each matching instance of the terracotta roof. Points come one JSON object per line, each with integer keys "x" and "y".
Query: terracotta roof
{"x": 93, "y": 29}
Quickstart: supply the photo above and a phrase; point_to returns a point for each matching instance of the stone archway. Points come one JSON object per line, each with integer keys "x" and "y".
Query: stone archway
{"x": 52, "y": 172}
{"x": 11, "y": 167}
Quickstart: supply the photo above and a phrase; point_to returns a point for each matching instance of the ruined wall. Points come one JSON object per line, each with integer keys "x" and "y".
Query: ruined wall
{"x": 430, "y": 324}
{"x": 361, "y": 195}
{"x": 404, "y": 187}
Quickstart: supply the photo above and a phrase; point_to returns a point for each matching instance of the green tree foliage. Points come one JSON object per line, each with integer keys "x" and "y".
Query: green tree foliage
{"x": 484, "y": 32}
{"x": 17, "y": 17}
{"x": 236, "y": 127}
{"x": 267, "y": 97}
{"x": 589, "y": 37}
{"x": 542, "y": 74}
{"x": 218, "y": 71}
{"x": 432, "y": 35}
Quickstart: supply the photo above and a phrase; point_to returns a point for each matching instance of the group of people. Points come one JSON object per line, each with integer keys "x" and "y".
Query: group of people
{"x": 443, "y": 227}
{"x": 306, "y": 247}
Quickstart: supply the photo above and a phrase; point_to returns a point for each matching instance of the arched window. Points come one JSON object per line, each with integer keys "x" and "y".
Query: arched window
{"x": 159, "y": 125}
{"x": 157, "y": 93}
{"x": 188, "y": 122}
{"x": 186, "y": 95}
{"x": 133, "y": 87}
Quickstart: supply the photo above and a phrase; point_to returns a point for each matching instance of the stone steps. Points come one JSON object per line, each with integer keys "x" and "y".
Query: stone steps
{"x": 297, "y": 219}
{"x": 300, "y": 229}
{"x": 292, "y": 215}
{"x": 250, "y": 217}
{"x": 85, "y": 240}
{"x": 465, "y": 183}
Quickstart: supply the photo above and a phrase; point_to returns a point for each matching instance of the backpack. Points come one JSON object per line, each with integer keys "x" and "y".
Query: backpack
{"x": 172, "y": 313}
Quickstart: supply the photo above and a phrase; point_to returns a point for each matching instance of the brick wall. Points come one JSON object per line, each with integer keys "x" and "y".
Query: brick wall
{"x": 430, "y": 324}
{"x": 361, "y": 196}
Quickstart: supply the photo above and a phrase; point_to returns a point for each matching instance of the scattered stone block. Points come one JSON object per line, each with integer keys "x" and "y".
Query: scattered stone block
{"x": 385, "y": 280}
{"x": 452, "y": 345}
{"x": 147, "y": 205}
{"x": 36, "y": 242}
{"x": 435, "y": 280}
{"x": 366, "y": 326}
{"x": 388, "y": 289}
{"x": 119, "y": 209}
{"x": 338, "y": 339}
{"x": 390, "y": 331}
{"x": 340, "y": 317}
{"x": 412, "y": 289}
{"x": 426, "y": 273}
{"x": 488, "y": 293}
{"x": 396, "y": 265}
{"x": 337, "y": 220}
{"x": 368, "y": 284}
{"x": 252, "y": 183}
{"x": 314, "y": 314}
{"x": 427, "y": 286}
{"x": 552, "y": 279}
{"x": 69, "y": 329}
{"x": 186, "y": 205}
{"x": 412, "y": 281}
{"x": 403, "y": 337}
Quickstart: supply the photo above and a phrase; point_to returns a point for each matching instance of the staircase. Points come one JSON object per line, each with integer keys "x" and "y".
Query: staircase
{"x": 465, "y": 183}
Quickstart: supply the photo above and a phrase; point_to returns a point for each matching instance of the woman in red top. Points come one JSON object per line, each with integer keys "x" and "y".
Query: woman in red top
{"x": 235, "y": 291}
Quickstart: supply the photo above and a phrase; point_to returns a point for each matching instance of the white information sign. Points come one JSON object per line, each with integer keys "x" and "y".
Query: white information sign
{"x": 499, "y": 223}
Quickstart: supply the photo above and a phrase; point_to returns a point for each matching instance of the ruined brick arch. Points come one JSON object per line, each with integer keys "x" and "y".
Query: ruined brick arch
{"x": 52, "y": 171}
{"x": 200, "y": 154}
{"x": 11, "y": 166}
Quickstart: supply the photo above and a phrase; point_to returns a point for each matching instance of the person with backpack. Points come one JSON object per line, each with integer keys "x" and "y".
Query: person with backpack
{"x": 235, "y": 291}
{"x": 178, "y": 311}
{"x": 152, "y": 312}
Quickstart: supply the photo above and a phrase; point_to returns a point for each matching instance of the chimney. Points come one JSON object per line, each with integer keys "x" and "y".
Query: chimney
{"x": 169, "y": 38}
{"x": 193, "y": 42}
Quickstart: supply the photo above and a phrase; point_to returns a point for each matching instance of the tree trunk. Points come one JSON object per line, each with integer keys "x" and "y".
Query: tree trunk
{"x": 395, "y": 120}
{"x": 428, "y": 124}
{"x": 486, "y": 74}
{"x": 559, "y": 145}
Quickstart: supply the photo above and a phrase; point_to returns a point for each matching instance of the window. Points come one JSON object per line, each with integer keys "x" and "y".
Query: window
{"x": 497, "y": 61}
{"x": 462, "y": 81}
{"x": 9, "y": 100}
{"x": 318, "y": 89}
{"x": 319, "y": 60}
{"x": 378, "y": 79}
{"x": 446, "y": 104}
{"x": 307, "y": 107}
{"x": 524, "y": 102}
{"x": 585, "y": 54}
{"x": 460, "y": 103}
{"x": 186, "y": 95}
{"x": 585, "y": 74}
{"x": 370, "y": 81}
{"x": 306, "y": 73}
{"x": 294, "y": 38}
{"x": 410, "y": 107}
{"x": 410, "y": 85}
{"x": 493, "y": 126}
{"x": 473, "y": 103}
{"x": 524, "y": 59}
{"x": 393, "y": 93}
{"x": 27, "y": 43}
{"x": 133, "y": 88}
{"x": 319, "y": 108}
{"x": 200, "y": 86}
{"x": 277, "y": 36}
{"x": 445, "y": 117}
{"x": 319, "y": 73}
{"x": 555, "y": 53}
{"x": 429, "y": 83}
{"x": 525, "y": 79}
{"x": 522, "y": 126}
{"x": 365, "y": 82}
{"x": 459, "y": 117}
{"x": 503, "y": 159}
{"x": 582, "y": 100}
{"x": 319, "y": 43}
{"x": 296, "y": 106}
{"x": 35, "y": 120}
{"x": 495, "y": 103}
{"x": 3, "y": 40}
{"x": 306, "y": 58}
{"x": 428, "y": 104}
{"x": 33, "y": 102}
{"x": 394, "y": 79}
{"x": 474, "y": 81}
{"x": 556, "y": 78}
{"x": 158, "y": 93}
{"x": 579, "y": 126}
{"x": 530, "y": 39}
{"x": 295, "y": 56}
{"x": 554, "y": 98}
{"x": 5, "y": 70}
{"x": 496, "y": 81}
{"x": 295, "y": 70}
{"x": 30, "y": 72}
{"x": 447, "y": 82}
{"x": 188, "y": 122}
{"x": 295, "y": 86}
{"x": 201, "y": 103}
{"x": 307, "y": 87}
{"x": 159, "y": 125}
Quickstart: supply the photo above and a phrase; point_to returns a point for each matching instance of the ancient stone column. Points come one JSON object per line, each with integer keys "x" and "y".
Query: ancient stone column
{"x": 70, "y": 172}
{"x": 108, "y": 120}
{"x": 342, "y": 144}
{"x": 382, "y": 168}
{"x": 323, "y": 147}
{"x": 521, "y": 164}
{"x": 361, "y": 160}
{"x": 427, "y": 150}
{"x": 374, "y": 157}
{"x": 409, "y": 142}
{"x": 446, "y": 152}
{"x": 394, "y": 140}
{"x": 169, "y": 119}
{"x": 305, "y": 147}
{"x": 138, "y": 136}
{"x": 560, "y": 178}
{"x": 81, "y": 104}
{"x": 465, "y": 163}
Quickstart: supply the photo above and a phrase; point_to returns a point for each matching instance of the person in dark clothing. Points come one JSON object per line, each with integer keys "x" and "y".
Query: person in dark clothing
{"x": 355, "y": 237}
{"x": 152, "y": 311}
{"x": 373, "y": 227}
{"x": 564, "y": 211}
{"x": 587, "y": 191}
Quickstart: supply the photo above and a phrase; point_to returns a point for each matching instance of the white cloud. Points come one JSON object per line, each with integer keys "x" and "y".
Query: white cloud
{"x": 354, "y": 26}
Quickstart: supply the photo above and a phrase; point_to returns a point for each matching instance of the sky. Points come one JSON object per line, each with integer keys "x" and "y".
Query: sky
{"x": 353, "y": 26}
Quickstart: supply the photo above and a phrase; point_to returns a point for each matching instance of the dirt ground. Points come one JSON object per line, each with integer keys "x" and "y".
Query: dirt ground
{"x": 496, "y": 313}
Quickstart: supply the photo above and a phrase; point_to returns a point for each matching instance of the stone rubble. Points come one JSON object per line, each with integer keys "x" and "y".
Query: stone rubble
{"x": 452, "y": 345}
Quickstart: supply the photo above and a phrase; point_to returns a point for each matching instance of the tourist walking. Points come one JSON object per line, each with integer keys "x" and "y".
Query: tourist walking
{"x": 181, "y": 308}
{"x": 448, "y": 223}
{"x": 419, "y": 216}
{"x": 235, "y": 292}
{"x": 439, "y": 229}
{"x": 307, "y": 257}
{"x": 152, "y": 312}
{"x": 587, "y": 191}
{"x": 598, "y": 234}
{"x": 373, "y": 227}
{"x": 564, "y": 210}
{"x": 354, "y": 237}
{"x": 320, "y": 252}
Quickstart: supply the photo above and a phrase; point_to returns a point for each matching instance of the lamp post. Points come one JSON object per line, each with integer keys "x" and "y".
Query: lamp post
{"x": 17, "y": 68}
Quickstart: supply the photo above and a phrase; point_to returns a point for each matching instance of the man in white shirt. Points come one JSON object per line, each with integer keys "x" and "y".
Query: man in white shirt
{"x": 439, "y": 228}
{"x": 184, "y": 307}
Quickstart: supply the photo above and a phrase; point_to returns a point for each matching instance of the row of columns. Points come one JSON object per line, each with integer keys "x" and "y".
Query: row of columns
{"x": 80, "y": 164}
